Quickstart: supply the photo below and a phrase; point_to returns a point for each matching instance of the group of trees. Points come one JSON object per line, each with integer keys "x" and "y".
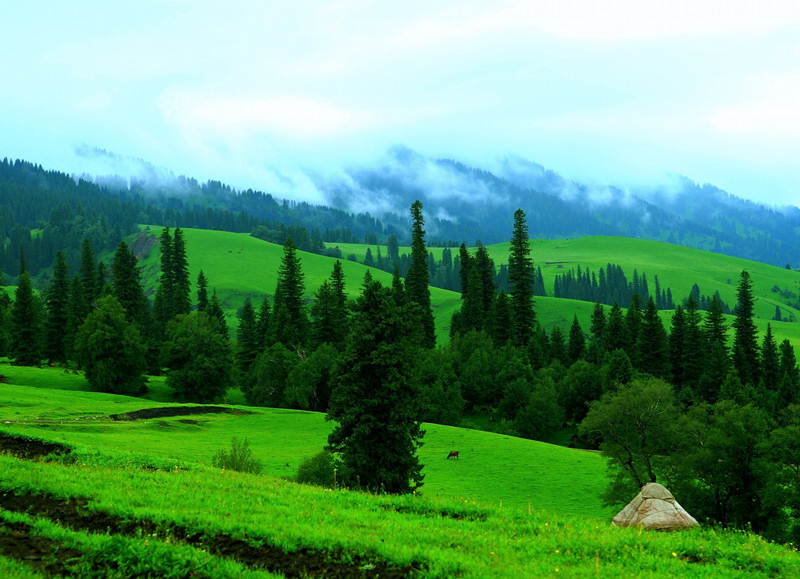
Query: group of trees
{"x": 373, "y": 366}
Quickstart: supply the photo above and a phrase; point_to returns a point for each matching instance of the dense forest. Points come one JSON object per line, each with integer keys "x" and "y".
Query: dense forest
{"x": 714, "y": 418}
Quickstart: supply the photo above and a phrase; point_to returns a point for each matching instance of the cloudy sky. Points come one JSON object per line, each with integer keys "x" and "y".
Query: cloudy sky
{"x": 620, "y": 92}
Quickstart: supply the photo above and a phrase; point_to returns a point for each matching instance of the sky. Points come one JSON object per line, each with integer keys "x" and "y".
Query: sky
{"x": 259, "y": 94}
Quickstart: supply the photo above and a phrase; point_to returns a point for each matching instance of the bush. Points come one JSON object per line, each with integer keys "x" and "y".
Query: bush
{"x": 318, "y": 470}
{"x": 240, "y": 458}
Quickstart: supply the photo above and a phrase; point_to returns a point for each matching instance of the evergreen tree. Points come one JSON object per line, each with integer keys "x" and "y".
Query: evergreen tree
{"x": 337, "y": 284}
{"x": 77, "y": 310}
{"x": 246, "y": 338}
{"x": 202, "y": 292}
{"x": 770, "y": 362}
{"x": 716, "y": 345}
{"x": 215, "y": 313}
{"x": 328, "y": 319}
{"x": 653, "y": 346}
{"x": 558, "y": 346}
{"x": 694, "y": 347}
{"x": 289, "y": 319}
{"x": 127, "y": 286}
{"x": 166, "y": 288}
{"x": 597, "y": 346}
{"x": 677, "y": 342}
{"x": 182, "y": 303}
{"x": 376, "y": 398}
{"x": 101, "y": 285}
{"x": 56, "y": 320}
{"x": 633, "y": 320}
{"x": 616, "y": 333}
{"x": 418, "y": 276}
{"x": 521, "y": 280}
{"x": 577, "y": 341}
{"x": 25, "y": 325}
{"x": 262, "y": 324}
{"x": 745, "y": 339}
{"x": 790, "y": 375}
{"x": 88, "y": 272}
{"x": 501, "y": 320}
{"x": 398, "y": 288}
{"x": 5, "y": 318}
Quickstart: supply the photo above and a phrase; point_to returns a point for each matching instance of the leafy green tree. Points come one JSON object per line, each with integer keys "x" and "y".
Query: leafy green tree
{"x": 56, "y": 319}
{"x": 269, "y": 376}
{"x": 198, "y": 358}
{"x": 309, "y": 383}
{"x": 376, "y": 398}
{"x": 442, "y": 402}
{"x": 616, "y": 370}
{"x": 418, "y": 276}
{"x": 745, "y": 339}
{"x": 636, "y": 425}
{"x": 26, "y": 324}
{"x": 581, "y": 384}
{"x": 541, "y": 416}
{"x": 111, "y": 350}
{"x": 521, "y": 280}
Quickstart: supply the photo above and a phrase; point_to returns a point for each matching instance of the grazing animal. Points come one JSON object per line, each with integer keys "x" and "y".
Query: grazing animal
{"x": 453, "y": 454}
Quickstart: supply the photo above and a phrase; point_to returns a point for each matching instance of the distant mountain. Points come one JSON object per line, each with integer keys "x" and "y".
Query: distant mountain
{"x": 467, "y": 204}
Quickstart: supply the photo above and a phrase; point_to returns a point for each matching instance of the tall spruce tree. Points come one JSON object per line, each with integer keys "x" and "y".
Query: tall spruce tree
{"x": 745, "y": 338}
{"x": 577, "y": 341}
{"x": 166, "y": 288}
{"x": 376, "y": 397}
{"x": 182, "y": 302}
{"x": 26, "y": 345}
{"x": 695, "y": 351}
{"x": 56, "y": 319}
{"x": 521, "y": 282}
{"x": 246, "y": 338}
{"x": 790, "y": 375}
{"x": 88, "y": 272}
{"x": 718, "y": 363}
{"x": 127, "y": 285}
{"x": 418, "y": 276}
{"x": 770, "y": 361}
{"x": 597, "y": 347}
{"x": 77, "y": 310}
{"x": 653, "y": 345}
{"x": 202, "y": 292}
{"x": 289, "y": 324}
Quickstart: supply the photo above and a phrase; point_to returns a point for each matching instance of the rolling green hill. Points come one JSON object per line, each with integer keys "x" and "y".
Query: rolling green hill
{"x": 509, "y": 508}
{"x": 677, "y": 267}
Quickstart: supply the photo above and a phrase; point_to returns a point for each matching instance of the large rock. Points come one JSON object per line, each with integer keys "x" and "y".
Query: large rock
{"x": 654, "y": 508}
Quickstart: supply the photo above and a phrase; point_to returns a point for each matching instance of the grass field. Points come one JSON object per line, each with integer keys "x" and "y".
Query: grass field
{"x": 140, "y": 498}
{"x": 677, "y": 267}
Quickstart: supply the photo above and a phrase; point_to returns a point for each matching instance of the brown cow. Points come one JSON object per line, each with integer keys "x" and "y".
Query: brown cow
{"x": 453, "y": 454}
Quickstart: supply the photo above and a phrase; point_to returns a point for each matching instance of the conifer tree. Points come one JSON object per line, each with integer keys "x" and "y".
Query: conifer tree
{"x": 215, "y": 313}
{"x": 25, "y": 324}
{"x": 418, "y": 276}
{"x": 289, "y": 324}
{"x": 127, "y": 286}
{"x": 246, "y": 338}
{"x": 717, "y": 364}
{"x": 677, "y": 342}
{"x": 77, "y": 310}
{"x": 653, "y": 346}
{"x": 770, "y": 362}
{"x": 88, "y": 272}
{"x": 501, "y": 320}
{"x": 521, "y": 281}
{"x": 577, "y": 341}
{"x": 597, "y": 346}
{"x": 5, "y": 318}
{"x": 558, "y": 346}
{"x": 376, "y": 397}
{"x": 616, "y": 332}
{"x": 56, "y": 320}
{"x": 398, "y": 288}
{"x": 790, "y": 375}
{"x": 182, "y": 303}
{"x": 633, "y": 320}
{"x": 694, "y": 346}
{"x": 166, "y": 287}
{"x": 202, "y": 292}
{"x": 262, "y": 324}
{"x": 745, "y": 340}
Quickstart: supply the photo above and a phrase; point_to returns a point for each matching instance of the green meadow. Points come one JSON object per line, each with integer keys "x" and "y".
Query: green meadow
{"x": 508, "y": 508}
{"x": 676, "y": 266}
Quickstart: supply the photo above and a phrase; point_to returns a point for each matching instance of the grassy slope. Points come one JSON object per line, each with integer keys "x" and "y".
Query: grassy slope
{"x": 239, "y": 265}
{"x": 677, "y": 267}
{"x": 493, "y": 469}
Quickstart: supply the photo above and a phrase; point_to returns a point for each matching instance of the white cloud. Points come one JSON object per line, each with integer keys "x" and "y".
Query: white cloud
{"x": 775, "y": 112}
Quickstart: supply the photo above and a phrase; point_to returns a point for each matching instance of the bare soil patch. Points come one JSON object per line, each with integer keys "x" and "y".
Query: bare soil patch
{"x": 303, "y": 563}
{"x": 47, "y": 556}
{"x": 30, "y": 448}
{"x": 171, "y": 411}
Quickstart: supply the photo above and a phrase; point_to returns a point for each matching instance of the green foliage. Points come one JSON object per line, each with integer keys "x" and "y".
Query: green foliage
{"x": 289, "y": 323}
{"x": 198, "y": 358}
{"x": 418, "y": 276}
{"x": 240, "y": 458}
{"x": 377, "y": 395}
{"x": 319, "y": 470}
{"x": 309, "y": 383}
{"x": 745, "y": 340}
{"x": 111, "y": 350}
{"x": 26, "y": 325}
{"x": 266, "y": 383}
{"x": 521, "y": 279}
{"x": 56, "y": 319}
{"x": 127, "y": 285}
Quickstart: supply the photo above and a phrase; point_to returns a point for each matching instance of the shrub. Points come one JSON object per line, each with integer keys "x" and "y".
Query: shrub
{"x": 318, "y": 470}
{"x": 240, "y": 458}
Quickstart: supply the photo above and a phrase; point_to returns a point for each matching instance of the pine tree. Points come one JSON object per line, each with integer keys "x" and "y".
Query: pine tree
{"x": 577, "y": 341}
{"x": 5, "y": 318}
{"x": 25, "y": 324}
{"x": 677, "y": 344}
{"x": 398, "y": 288}
{"x": 745, "y": 340}
{"x": 695, "y": 350}
{"x": 167, "y": 286}
{"x": 770, "y": 362}
{"x": 633, "y": 319}
{"x": 418, "y": 276}
{"x": 246, "y": 338}
{"x": 501, "y": 320}
{"x": 717, "y": 364}
{"x": 77, "y": 310}
{"x": 262, "y": 324}
{"x": 616, "y": 333}
{"x": 790, "y": 375}
{"x": 653, "y": 346}
{"x": 521, "y": 280}
{"x": 215, "y": 313}
{"x": 56, "y": 320}
{"x": 289, "y": 324}
{"x": 558, "y": 347}
{"x": 202, "y": 292}
{"x": 88, "y": 272}
{"x": 597, "y": 347}
{"x": 182, "y": 303}
{"x": 376, "y": 397}
{"x": 127, "y": 286}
